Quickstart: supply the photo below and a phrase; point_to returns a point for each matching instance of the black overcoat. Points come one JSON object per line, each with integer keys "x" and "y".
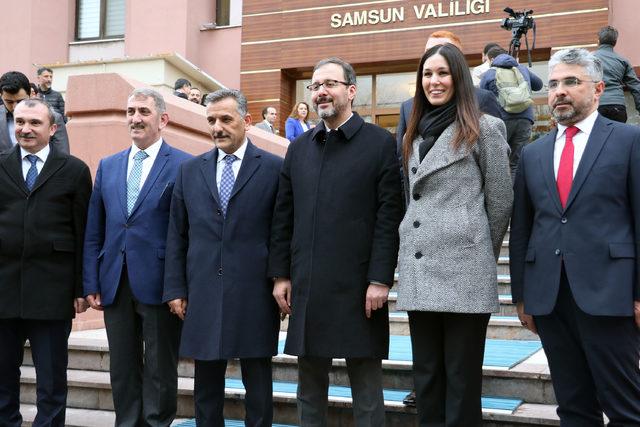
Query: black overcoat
{"x": 41, "y": 236}
{"x": 335, "y": 230}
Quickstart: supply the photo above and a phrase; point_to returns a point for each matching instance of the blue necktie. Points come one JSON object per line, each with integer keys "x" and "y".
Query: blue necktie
{"x": 32, "y": 173}
{"x": 226, "y": 182}
{"x": 133, "y": 183}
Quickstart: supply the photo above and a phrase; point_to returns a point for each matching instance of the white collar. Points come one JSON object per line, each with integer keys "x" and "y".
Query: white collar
{"x": 585, "y": 125}
{"x": 239, "y": 153}
{"x": 151, "y": 150}
{"x": 42, "y": 154}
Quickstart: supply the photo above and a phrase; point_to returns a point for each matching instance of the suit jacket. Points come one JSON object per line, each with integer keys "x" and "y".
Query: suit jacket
{"x": 293, "y": 128}
{"x": 458, "y": 213}
{"x": 218, "y": 263}
{"x": 594, "y": 236}
{"x": 113, "y": 237}
{"x": 264, "y": 125}
{"x": 60, "y": 138}
{"x": 335, "y": 230}
{"x": 41, "y": 234}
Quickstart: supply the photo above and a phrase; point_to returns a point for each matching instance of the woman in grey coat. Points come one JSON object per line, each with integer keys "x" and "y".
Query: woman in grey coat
{"x": 460, "y": 197}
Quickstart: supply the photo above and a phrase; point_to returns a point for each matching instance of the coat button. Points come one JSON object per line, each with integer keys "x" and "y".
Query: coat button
{"x": 414, "y": 169}
{"x": 418, "y": 255}
{"x": 416, "y": 224}
{"x": 563, "y": 220}
{"x": 416, "y": 196}
{"x": 219, "y": 211}
{"x": 558, "y": 252}
{"x": 220, "y": 271}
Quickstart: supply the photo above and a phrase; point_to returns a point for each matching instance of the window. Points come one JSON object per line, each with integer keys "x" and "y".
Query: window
{"x": 99, "y": 19}
{"x": 223, "y": 12}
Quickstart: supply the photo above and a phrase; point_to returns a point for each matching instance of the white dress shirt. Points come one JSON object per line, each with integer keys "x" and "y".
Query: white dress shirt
{"x": 579, "y": 142}
{"x": 26, "y": 164}
{"x": 239, "y": 153}
{"x": 147, "y": 163}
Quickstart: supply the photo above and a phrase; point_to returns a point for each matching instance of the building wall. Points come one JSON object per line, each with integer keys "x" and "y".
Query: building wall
{"x": 623, "y": 14}
{"x": 281, "y": 41}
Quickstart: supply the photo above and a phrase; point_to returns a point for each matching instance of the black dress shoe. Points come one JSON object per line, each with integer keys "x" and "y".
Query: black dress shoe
{"x": 410, "y": 399}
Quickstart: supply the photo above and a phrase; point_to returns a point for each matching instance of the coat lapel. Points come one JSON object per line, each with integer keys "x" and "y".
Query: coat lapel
{"x": 55, "y": 161}
{"x": 249, "y": 166}
{"x": 546, "y": 163}
{"x": 12, "y": 165}
{"x": 158, "y": 165}
{"x": 440, "y": 156}
{"x": 208, "y": 168}
{"x": 599, "y": 134}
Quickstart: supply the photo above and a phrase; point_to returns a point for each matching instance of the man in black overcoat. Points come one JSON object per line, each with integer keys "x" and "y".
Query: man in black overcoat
{"x": 44, "y": 195}
{"x": 334, "y": 247}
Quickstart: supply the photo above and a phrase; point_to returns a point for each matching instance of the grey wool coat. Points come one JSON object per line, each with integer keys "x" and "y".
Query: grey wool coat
{"x": 458, "y": 213}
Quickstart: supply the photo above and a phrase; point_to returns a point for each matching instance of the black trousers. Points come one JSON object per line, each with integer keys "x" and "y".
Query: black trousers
{"x": 208, "y": 393}
{"x": 593, "y": 362}
{"x": 48, "y": 340}
{"x": 614, "y": 112}
{"x": 448, "y": 351}
{"x": 143, "y": 351}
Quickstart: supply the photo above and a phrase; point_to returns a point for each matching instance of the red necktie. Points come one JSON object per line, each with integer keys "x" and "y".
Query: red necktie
{"x": 565, "y": 169}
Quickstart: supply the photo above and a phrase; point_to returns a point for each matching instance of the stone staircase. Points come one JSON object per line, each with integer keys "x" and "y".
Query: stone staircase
{"x": 527, "y": 382}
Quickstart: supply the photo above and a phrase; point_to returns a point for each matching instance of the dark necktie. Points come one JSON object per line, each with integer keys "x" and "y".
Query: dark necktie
{"x": 226, "y": 182}
{"x": 32, "y": 173}
{"x": 565, "y": 169}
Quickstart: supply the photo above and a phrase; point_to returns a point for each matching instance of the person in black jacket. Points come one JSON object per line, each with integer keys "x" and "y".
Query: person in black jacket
{"x": 44, "y": 195}
{"x": 53, "y": 98}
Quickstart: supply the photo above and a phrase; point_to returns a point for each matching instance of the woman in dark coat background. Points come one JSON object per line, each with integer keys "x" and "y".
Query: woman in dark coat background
{"x": 457, "y": 167}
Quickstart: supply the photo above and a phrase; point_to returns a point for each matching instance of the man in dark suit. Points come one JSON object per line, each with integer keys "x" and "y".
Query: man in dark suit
{"x": 182, "y": 88}
{"x": 574, "y": 241}
{"x": 124, "y": 265}
{"x": 43, "y": 203}
{"x": 14, "y": 87}
{"x": 216, "y": 263}
{"x": 334, "y": 247}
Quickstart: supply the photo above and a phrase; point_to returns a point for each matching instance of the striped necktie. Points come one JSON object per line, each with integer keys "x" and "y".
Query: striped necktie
{"x": 133, "y": 183}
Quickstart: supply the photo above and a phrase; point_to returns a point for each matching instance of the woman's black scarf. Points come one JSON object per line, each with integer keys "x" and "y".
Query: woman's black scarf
{"x": 433, "y": 123}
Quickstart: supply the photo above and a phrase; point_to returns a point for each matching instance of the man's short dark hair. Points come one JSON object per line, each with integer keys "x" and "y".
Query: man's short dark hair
{"x": 488, "y": 47}
{"x": 265, "y": 111}
{"x": 347, "y": 69}
{"x": 608, "y": 35}
{"x": 180, "y": 83}
{"x": 43, "y": 69}
{"x": 494, "y": 52}
{"x": 12, "y": 81}
{"x": 34, "y": 88}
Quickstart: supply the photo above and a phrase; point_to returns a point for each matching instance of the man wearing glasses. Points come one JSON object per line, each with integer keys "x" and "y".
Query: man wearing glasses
{"x": 574, "y": 243}
{"x": 334, "y": 246}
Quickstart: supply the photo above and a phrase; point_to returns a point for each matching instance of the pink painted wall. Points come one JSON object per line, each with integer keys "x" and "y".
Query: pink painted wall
{"x": 174, "y": 26}
{"x": 35, "y": 31}
{"x": 623, "y": 14}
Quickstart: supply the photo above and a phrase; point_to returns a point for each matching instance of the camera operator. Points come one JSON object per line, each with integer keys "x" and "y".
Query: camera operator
{"x": 618, "y": 74}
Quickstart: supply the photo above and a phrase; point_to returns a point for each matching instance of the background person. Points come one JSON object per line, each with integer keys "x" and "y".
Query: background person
{"x": 52, "y": 97}
{"x": 297, "y": 122}
{"x": 269, "y": 116}
{"x": 458, "y": 173}
{"x": 618, "y": 75}
{"x": 195, "y": 95}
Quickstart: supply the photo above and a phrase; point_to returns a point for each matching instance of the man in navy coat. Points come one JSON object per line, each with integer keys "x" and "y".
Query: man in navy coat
{"x": 124, "y": 265}
{"x": 216, "y": 263}
{"x": 574, "y": 248}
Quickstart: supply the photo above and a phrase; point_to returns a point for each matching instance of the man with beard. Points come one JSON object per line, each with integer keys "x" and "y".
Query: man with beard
{"x": 124, "y": 265}
{"x": 53, "y": 98}
{"x": 334, "y": 246}
{"x": 574, "y": 262}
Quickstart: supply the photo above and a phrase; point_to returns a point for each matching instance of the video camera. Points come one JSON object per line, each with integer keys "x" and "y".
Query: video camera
{"x": 519, "y": 22}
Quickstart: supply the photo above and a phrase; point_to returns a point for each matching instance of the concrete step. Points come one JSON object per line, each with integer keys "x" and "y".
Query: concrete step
{"x": 512, "y": 369}
{"x": 89, "y": 391}
{"x": 76, "y": 417}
